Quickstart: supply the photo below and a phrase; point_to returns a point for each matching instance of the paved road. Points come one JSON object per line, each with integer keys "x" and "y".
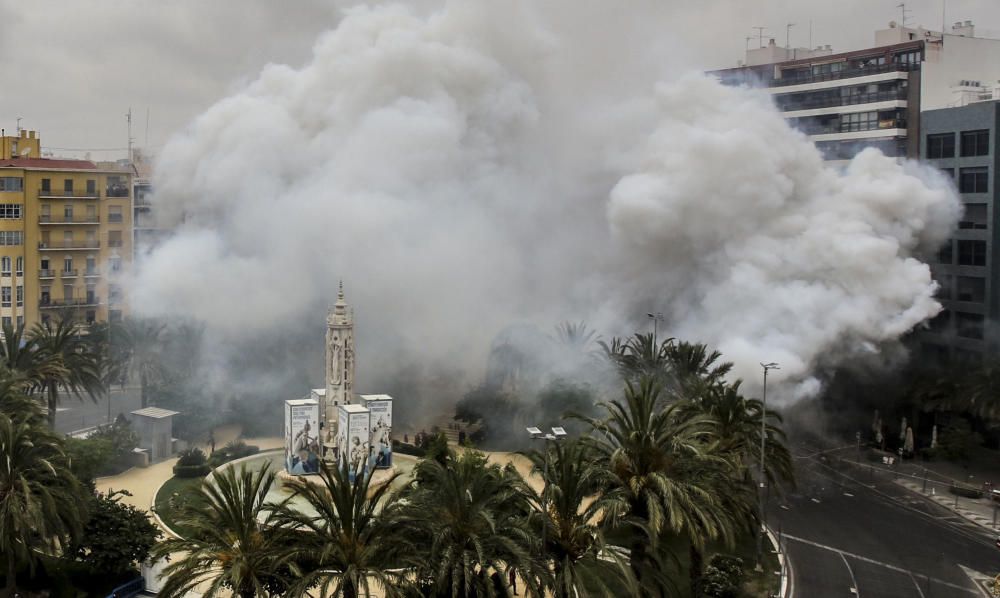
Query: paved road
{"x": 82, "y": 413}
{"x": 849, "y": 533}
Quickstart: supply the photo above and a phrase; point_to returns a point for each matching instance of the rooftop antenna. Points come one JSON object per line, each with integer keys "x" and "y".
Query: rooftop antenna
{"x": 788, "y": 34}
{"x": 18, "y": 126}
{"x": 128, "y": 118}
{"x": 944, "y": 7}
{"x": 748, "y": 38}
{"x": 902, "y": 10}
{"x": 760, "y": 36}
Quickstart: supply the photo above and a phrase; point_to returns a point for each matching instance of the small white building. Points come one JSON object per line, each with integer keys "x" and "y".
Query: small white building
{"x": 155, "y": 429}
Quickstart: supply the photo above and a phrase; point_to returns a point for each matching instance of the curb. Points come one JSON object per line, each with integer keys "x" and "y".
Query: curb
{"x": 787, "y": 587}
{"x": 948, "y": 503}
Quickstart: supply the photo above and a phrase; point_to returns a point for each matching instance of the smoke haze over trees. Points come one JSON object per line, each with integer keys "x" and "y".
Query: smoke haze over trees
{"x": 483, "y": 165}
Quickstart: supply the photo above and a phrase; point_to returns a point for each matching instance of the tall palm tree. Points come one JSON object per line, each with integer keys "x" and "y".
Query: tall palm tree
{"x": 665, "y": 461}
{"x": 62, "y": 343}
{"x": 144, "y": 340}
{"x": 464, "y": 525}
{"x": 230, "y": 541}
{"x": 23, "y": 359}
{"x": 38, "y": 495}
{"x": 576, "y": 494}
{"x": 640, "y": 356}
{"x": 695, "y": 368}
{"x": 345, "y": 539}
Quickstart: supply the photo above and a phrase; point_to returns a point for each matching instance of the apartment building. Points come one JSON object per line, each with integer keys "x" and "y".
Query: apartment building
{"x": 65, "y": 235}
{"x": 873, "y": 97}
{"x": 963, "y": 142}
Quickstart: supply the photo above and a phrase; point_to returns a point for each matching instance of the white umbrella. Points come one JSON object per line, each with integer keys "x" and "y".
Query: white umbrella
{"x": 908, "y": 443}
{"x": 902, "y": 431}
{"x": 934, "y": 436}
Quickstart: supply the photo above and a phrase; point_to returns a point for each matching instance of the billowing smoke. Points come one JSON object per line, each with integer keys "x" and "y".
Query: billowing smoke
{"x": 484, "y": 165}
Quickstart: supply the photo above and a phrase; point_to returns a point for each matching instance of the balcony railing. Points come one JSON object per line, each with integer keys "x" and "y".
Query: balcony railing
{"x": 84, "y": 244}
{"x": 92, "y": 272}
{"x": 69, "y": 273}
{"x": 117, "y": 190}
{"x": 114, "y": 218}
{"x": 851, "y": 100}
{"x": 57, "y": 303}
{"x": 68, "y": 194}
{"x": 843, "y": 74}
{"x": 889, "y": 123}
{"x": 46, "y": 273}
{"x": 49, "y": 219}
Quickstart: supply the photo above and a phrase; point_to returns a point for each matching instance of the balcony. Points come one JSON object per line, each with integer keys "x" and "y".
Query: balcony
{"x": 888, "y": 123}
{"x": 67, "y": 194}
{"x": 57, "y": 245}
{"x": 92, "y": 272}
{"x": 851, "y": 100}
{"x": 843, "y": 74}
{"x": 117, "y": 190}
{"x": 48, "y": 219}
{"x": 68, "y": 273}
{"x": 46, "y": 274}
{"x": 58, "y": 303}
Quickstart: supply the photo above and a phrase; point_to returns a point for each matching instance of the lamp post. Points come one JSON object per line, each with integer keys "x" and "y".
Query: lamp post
{"x": 558, "y": 433}
{"x": 656, "y": 318}
{"x": 763, "y": 439}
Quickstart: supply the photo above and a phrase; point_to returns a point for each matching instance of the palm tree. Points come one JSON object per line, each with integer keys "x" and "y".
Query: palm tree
{"x": 576, "y": 495}
{"x": 62, "y": 343}
{"x": 667, "y": 466}
{"x": 38, "y": 495}
{"x": 23, "y": 359}
{"x": 464, "y": 524}
{"x": 695, "y": 368}
{"x": 640, "y": 356}
{"x": 230, "y": 541}
{"x": 344, "y": 535}
{"x": 143, "y": 338}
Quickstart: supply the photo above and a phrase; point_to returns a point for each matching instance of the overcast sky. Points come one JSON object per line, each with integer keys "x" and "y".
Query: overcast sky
{"x": 73, "y": 69}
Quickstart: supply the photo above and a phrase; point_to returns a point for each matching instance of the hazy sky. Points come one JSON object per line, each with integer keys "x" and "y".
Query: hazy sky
{"x": 72, "y": 69}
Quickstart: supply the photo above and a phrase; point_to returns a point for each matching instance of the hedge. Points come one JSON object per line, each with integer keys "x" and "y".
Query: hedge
{"x": 230, "y": 453}
{"x": 192, "y": 471}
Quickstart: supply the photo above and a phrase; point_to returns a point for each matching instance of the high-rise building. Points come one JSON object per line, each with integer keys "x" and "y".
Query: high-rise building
{"x": 65, "y": 235}
{"x": 873, "y": 97}
{"x": 963, "y": 142}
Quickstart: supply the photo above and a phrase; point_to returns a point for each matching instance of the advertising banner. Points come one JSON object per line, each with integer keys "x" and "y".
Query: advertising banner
{"x": 302, "y": 437}
{"x": 353, "y": 433}
{"x": 380, "y": 431}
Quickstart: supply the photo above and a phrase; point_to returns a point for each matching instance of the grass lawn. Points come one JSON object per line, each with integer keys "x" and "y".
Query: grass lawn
{"x": 172, "y": 493}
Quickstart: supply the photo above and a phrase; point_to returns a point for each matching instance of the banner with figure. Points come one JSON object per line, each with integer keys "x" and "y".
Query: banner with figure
{"x": 302, "y": 437}
{"x": 352, "y": 434}
{"x": 380, "y": 431}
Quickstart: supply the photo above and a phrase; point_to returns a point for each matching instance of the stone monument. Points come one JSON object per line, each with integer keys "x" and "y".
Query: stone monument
{"x": 339, "y": 370}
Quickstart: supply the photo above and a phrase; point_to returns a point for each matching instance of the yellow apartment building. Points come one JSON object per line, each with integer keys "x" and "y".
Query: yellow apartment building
{"x": 65, "y": 235}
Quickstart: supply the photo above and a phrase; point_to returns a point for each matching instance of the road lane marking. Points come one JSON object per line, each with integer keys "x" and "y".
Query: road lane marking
{"x": 854, "y": 582}
{"x": 865, "y": 559}
{"x": 919, "y": 591}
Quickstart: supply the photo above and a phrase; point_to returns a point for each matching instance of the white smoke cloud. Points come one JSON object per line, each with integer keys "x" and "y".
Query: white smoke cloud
{"x": 485, "y": 165}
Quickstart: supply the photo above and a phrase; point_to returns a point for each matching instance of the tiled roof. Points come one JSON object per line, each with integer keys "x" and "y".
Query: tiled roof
{"x": 53, "y": 163}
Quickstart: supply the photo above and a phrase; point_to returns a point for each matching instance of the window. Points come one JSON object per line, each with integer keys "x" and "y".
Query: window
{"x": 973, "y": 180}
{"x": 20, "y": 265}
{"x": 45, "y": 296}
{"x": 91, "y": 265}
{"x": 91, "y": 186}
{"x": 7, "y": 322}
{"x": 20, "y": 321}
{"x": 67, "y": 292}
{"x": 91, "y": 295}
{"x": 115, "y": 263}
{"x": 11, "y": 183}
{"x": 974, "y": 217}
{"x": 976, "y": 143}
{"x": 945, "y": 283}
{"x": 941, "y": 145}
{"x": 115, "y": 315}
{"x": 5, "y": 296}
{"x": 20, "y": 295}
{"x": 4, "y": 266}
{"x": 969, "y": 325}
{"x": 68, "y": 185}
{"x": 46, "y": 185}
{"x": 11, "y": 237}
{"x": 911, "y": 57}
{"x": 948, "y": 172}
{"x": 972, "y": 253}
{"x": 10, "y": 211}
{"x": 859, "y": 121}
{"x": 67, "y": 264}
{"x": 45, "y": 320}
{"x": 114, "y": 213}
{"x": 117, "y": 187}
{"x": 114, "y": 294}
{"x": 114, "y": 238}
{"x": 91, "y": 316}
{"x": 971, "y": 288}
{"x": 944, "y": 255}
{"x": 941, "y": 323}
{"x": 68, "y": 212}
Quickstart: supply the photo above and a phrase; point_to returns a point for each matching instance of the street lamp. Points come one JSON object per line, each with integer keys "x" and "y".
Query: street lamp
{"x": 763, "y": 438}
{"x": 558, "y": 433}
{"x": 656, "y": 318}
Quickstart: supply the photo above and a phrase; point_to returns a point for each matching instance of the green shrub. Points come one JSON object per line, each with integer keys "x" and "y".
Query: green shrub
{"x": 407, "y": 449}
{"x": 236, "y": 449}
{"x": 191, "y": 457}
{"x": 966, "y": 491}
{"x": 723, "y": 577}
{"x": 192, "y": 471}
